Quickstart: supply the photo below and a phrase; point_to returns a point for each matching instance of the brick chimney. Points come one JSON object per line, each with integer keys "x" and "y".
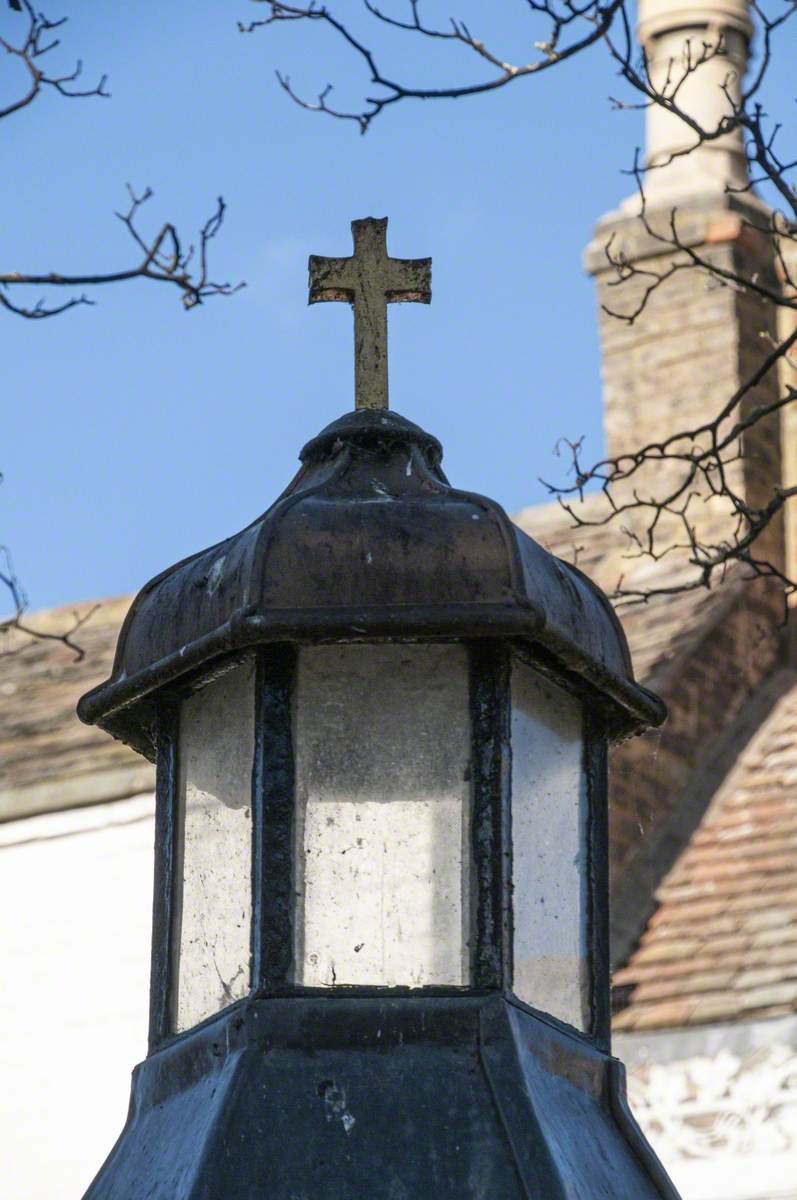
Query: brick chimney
{"x": 696, "y": 340}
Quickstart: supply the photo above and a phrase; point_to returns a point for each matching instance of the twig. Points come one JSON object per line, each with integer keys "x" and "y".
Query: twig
{"x": 163, "y": 260}
{"x": 31, "y": 50}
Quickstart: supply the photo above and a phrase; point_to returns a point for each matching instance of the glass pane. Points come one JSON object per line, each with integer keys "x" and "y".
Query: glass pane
{"x": 383, "y": 834}
{"x": 549, "y": 849}
{"x": 212, "y": 931}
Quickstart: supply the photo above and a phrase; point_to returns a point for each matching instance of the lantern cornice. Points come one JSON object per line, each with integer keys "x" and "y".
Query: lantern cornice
{"x": 368, "y": 541}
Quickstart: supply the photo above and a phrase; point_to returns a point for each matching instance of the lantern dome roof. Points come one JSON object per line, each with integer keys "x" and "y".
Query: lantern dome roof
{"x": 368, "y": 541}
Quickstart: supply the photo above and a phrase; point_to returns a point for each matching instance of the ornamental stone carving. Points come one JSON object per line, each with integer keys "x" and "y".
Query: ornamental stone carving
{"x": 723, "y": 1106}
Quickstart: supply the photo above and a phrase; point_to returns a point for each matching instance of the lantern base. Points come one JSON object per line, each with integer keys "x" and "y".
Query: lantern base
{"x": 384, "y": 1098}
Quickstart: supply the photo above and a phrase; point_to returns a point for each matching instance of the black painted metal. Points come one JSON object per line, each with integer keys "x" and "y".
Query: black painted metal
{"x": 467, "y": 1097}
{"x": 621, "y": 1111}
{"x": 369, "y": 540}
{"x": 273, "y": 813}
{"x": 163, "y": 899}
{"x": 596, "y": 776}
{"x": 491, "y": 812}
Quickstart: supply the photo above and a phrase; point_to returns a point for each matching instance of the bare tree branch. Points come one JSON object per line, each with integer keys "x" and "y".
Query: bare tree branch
{"x": 163, "y": 261}
{"x": 663, "y": 520}
{"x": 16, "y": 624}
{"x": 592, "y": 19}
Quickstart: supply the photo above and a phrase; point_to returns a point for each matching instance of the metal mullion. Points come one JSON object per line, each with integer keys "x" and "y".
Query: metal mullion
{"x": 167, "y": 869}
{"x": 598, "y": 965}
{"x": 489, "y": 663}
{"x": 273, "y": 791}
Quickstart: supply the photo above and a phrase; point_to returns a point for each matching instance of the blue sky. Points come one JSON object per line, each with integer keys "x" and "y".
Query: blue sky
{"x": 136, "y": 433}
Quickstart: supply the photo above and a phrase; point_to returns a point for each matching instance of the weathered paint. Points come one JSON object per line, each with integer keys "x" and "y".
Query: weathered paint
{"x": 467, "y": 1098}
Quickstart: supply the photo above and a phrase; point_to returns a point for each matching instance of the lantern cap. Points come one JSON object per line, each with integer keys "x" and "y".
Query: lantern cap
{"x": 367, "y": 427}
{"x": 368, "y": 541}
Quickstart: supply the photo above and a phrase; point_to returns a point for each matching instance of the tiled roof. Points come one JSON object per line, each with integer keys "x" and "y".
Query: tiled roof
{"x": 49, "y": 759}
{"x": 658, "y": 631}
{"x": 722, "y": 944}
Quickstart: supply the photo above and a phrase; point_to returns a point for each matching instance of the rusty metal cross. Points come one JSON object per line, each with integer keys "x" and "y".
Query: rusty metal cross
{"x": 369, "y": 281}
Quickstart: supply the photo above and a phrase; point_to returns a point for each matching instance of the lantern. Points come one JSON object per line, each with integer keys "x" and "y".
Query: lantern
{"x": 380, "y": 716}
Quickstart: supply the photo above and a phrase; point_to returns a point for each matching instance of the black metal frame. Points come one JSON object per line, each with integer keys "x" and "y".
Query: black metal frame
{"x": 273, "y": 807}
{"x": 166, "y": 804}
{"x": 597, "y": 784}
{"x": 491, "y": 834}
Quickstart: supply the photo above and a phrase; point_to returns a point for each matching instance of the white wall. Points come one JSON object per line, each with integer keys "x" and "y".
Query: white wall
{"x": 719, "y": 1104}
{"x": 75, "y": 913}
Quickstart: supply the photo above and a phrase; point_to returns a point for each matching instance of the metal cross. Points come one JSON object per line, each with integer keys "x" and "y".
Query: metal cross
{"x": 369, "y": 281}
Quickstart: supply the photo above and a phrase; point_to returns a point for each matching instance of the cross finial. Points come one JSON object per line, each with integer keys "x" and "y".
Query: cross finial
{"x": 369, "y": 281}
